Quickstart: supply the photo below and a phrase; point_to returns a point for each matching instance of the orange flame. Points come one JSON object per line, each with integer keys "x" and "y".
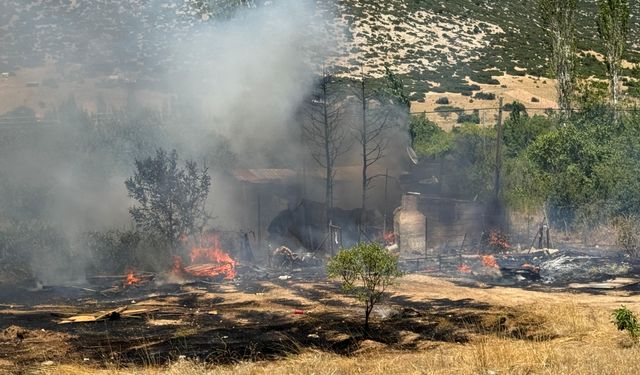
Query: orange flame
{"x": 489, "y": 261}
{"x": 210, "y": 260}
{"x": 464, "y": 268}
{"x": 178, "y": 266}
{"x": 531, "y": 267}
{"x": 131, "y": 278}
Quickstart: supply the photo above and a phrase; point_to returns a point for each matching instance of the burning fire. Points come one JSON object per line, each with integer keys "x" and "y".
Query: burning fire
{"x": 178, "y": 266}
{"x": 207, "y": 260}
{"x": 498, "y": 241}
{"x": 489, "y": 261}
{"x": 531, "y": 267}
{"x": 389, "y": 238}
{"x": 217, "y": 262}
{"x": 464, "y": 268}
{"x": 131, "y": 278}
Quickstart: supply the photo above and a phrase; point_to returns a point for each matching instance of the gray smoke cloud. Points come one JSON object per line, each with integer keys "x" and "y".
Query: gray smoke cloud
{"x": 223, "y": 85}
{"x": 230, "y": 87}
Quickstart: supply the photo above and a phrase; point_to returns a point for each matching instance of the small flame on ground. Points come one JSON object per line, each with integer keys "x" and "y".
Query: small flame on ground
{"x": 131, "y": 278}
{"x": 498, "y": 240}
{"x": 489, "y": 261}
{"x": 531, "y": 267}
{"x": 178, "y": 266}
{"x": 464, "y": 268}
{"x": 390, "y": 238}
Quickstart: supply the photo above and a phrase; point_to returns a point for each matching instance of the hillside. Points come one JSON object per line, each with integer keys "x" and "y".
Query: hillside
{"x": 437, "y": 46}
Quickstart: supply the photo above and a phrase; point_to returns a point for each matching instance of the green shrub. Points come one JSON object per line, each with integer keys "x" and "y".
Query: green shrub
{"x": 366, "y": 270}
{"x": 485, "y": 96}
{"x": 427, "y": 138}
{"x": 625, "y": 320}
{"x": 471, "y": 118}
{"x": 442, "y": 100}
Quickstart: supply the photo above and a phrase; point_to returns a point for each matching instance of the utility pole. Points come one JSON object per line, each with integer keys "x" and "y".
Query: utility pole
{"x": 498, "y": 149}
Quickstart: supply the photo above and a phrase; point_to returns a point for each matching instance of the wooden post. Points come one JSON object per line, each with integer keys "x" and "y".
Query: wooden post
{"x": 245, "y": 217}
{"x": 426, "y": 227}
{"x": 498, "y": 149}
{"x": 330, "y": 238}
{"x": 540, "y": 234}
{"x": 259, "y": 224}
{"x": 386, "y": 181}
{"x": 548, "y": 238}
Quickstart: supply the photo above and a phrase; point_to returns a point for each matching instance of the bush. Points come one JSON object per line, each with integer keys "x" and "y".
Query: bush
{"x": 366, "y": 270}
{"x": 514, "y": 105}
{"x": 442, "y": 101}
{"x": 471, "y": 118}
{"x": 628, "y": 234}
{"x": 485, "y": 96}
{"x": 113, "y": 251}
{"x": 446, "y": 110}
{"x": 486, "y": 77}
{"x": 625, "y": 320}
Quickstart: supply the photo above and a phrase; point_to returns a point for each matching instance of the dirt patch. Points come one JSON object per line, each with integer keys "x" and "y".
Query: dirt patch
{"x": 21, "y": 345}
{"x": 517, "y": 325}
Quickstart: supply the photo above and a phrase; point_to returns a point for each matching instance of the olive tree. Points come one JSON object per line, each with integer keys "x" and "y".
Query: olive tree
{"x": 366, "y": 270}
{"x": 170, "y": 198}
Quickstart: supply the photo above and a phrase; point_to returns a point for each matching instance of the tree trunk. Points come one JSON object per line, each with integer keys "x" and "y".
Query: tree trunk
{"x": 615, "y": 91}
{"x": 328, "y": 198}
{"x": 365, "y": 161}
{"x": 367, "y": 314}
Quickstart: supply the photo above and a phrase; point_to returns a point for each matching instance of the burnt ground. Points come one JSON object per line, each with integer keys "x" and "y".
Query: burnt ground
{"x": 228, "y": 321}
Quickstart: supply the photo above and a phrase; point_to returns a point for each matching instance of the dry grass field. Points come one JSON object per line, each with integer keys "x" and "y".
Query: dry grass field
{"x": 508, "y": 331}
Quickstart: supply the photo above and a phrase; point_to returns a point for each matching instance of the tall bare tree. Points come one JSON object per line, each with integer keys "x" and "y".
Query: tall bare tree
{"x": 370, "y": 133}
{"x": 325, "y": 132}
{"x": 613, "y": 27}
{"x": 559, "y": 21}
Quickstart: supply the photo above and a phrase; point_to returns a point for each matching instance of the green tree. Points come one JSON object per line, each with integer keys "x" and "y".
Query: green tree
{"x": 470, "y": 162}
{"x": 395, "y": 89}
{"x": 613, "y": 28}
{"x": 170, "y": 199}
{"x": 559, "y": 22}
{"x": 366, "y": 270}
{"x": 427, "y": 138}
{"x": 520, "y": 131}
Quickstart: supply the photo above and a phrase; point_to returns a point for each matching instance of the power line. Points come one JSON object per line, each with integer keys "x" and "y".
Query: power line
{"x": 461, "y": 110}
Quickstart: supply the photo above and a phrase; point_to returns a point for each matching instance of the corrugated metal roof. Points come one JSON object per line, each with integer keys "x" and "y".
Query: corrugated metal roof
{"x": 343, "y": 173}
{"x": 257, "y": 176}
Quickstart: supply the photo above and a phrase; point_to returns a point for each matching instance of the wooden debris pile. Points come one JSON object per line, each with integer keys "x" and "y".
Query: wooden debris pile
{"x": 119, "y": 313}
